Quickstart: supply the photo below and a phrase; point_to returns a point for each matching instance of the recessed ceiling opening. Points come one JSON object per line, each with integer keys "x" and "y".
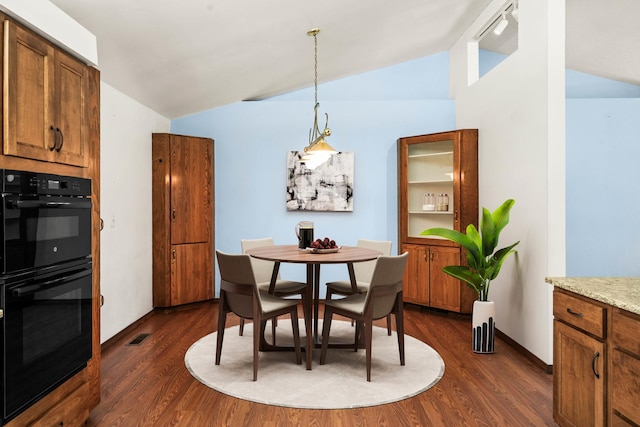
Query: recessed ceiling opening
{"x": 499, "y": 38}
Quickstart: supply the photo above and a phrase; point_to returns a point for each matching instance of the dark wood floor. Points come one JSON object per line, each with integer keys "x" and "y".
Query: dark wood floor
{"x": 148, "y": 384}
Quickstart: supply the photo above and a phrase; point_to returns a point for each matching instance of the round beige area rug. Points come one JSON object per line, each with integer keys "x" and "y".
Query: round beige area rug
{"x": 340, "y": 383}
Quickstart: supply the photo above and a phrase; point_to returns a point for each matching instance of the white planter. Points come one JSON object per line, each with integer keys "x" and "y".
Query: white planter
{"x": 483, "y": 323}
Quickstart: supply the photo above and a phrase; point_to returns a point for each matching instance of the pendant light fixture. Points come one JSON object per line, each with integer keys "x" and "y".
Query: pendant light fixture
{"x": 318, "y": 150}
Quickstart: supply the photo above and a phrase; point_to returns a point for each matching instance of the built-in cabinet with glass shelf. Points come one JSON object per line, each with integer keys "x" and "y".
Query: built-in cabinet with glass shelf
{"x": 437, "y": 187}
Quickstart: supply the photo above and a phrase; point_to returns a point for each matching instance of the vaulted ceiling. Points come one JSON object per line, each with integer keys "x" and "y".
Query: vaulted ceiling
{"x": 183, "y": 56}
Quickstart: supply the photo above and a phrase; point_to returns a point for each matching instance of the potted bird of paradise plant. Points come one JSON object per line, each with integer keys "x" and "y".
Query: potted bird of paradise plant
{"x": 483, "y": 265}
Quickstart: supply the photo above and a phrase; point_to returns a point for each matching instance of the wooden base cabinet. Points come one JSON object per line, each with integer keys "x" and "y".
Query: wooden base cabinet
{"x": 579, "y": 381}
{"x": 625, "y": 368}
{"x": 424, "y": 268}
{"x": 596, "y": 363}
{"x": 437, "y": 187}
{"x": 579, "y": 360}
{"x": 182, "y": 219}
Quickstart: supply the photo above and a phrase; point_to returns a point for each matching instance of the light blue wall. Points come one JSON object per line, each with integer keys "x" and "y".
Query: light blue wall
{"x": 367, "y": 114}
{"x": 581, "y": 85}
{"x": 603, "y": 187}
{"x": 603, "y": 191}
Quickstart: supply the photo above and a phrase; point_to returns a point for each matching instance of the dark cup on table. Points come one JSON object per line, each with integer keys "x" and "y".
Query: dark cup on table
{"x": 304, "y": 231}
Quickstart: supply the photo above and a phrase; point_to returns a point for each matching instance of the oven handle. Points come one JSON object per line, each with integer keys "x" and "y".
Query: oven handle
{"x": 32, "y": 289}
{"x": 30, "y": 204}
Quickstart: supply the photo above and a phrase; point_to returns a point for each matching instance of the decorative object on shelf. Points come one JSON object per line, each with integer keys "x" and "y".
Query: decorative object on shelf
{"x": 429, "y": 202}
{"x": 318, "y": 151}
{"x": 329, "y": 187}
{"x": 442, "y": 202}
{"x": 484, "y": 263}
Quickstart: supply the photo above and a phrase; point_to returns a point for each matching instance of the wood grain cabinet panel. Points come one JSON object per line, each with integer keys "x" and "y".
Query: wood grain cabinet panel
{"x": 416, "y": 283}
{"x": 580, "y": 313}
{"x": 578, "y": 378}
{"x": 424, "y": 281}
{"x": 625, "y": 366}
{"x": 183, "y": 234}
{"x": 596, "y": 363}
{"x": 444, "y": 290}
{"x": 190, "y": 269}
{"x": 45, "y": 91}
{"x": 72, "y": 412}
{"x": 618, "y": 421}
{"x": 440, "y": 164}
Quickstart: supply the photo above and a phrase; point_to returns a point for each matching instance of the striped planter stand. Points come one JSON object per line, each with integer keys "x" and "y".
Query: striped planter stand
{"x": 483, "y": 324}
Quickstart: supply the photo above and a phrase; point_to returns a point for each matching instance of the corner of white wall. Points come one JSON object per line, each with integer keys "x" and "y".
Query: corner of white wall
{"x": 518, "y": 108}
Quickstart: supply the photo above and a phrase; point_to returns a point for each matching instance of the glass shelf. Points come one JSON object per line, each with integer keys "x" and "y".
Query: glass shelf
{"x": 442, "y": 153}
{"x": 434, "y": 181}
{"x": 431, "y": 212}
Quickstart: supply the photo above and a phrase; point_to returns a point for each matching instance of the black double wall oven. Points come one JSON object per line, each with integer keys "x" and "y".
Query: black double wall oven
{"x": 45, "y": 284}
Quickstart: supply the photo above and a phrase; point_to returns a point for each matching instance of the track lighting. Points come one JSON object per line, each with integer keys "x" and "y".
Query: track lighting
{"x": 501, "y": 25}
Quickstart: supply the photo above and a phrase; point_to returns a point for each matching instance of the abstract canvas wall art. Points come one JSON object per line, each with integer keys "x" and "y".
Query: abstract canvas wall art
{"x": 328, "y": 187}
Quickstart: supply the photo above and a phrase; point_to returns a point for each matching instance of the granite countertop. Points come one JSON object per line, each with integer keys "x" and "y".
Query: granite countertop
{"x": 620, "y": 292}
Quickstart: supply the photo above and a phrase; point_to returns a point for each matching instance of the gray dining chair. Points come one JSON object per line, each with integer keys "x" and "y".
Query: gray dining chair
{"x": 383, "y": 297}
{"x": 363, "y": 272}
{"x": 239, "y": 294}
{"x": 263, "y": 270}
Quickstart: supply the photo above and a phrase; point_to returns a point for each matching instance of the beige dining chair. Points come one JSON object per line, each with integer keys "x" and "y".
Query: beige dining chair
{"x": 239, "y": 294}
{"x": 263, "y": 270}
{"x": 383, "y": 297}
{"x": 363, "y": 272}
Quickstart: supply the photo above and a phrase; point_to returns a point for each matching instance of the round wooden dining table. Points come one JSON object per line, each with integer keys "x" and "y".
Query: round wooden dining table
{"x": 292, "y": 254}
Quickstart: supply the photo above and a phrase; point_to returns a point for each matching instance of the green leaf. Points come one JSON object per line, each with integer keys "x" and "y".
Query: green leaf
{"x": 457, "y": 237}
{"x": 463, "y": 273}
{"x": 501, "y": 216}
{"x": 489, "y": 235}
{"x": 497, "y": 260}
{"x": 484, "y": 263}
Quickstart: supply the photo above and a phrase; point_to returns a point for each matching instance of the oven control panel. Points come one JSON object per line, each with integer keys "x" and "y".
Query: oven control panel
{"x": 22, "y": 182}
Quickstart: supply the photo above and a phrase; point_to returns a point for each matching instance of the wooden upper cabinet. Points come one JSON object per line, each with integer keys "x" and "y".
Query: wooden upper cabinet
{"x": 190, "y": 190}
{"x": 438, "y": 164}
{"x": 46, "y": 106}
{"x": 432, "y": 168}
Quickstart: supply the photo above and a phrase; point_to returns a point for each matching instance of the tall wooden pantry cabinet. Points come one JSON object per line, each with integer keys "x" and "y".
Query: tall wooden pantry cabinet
{"x": 51, "y": 124}
{"x": 437, "y": 187}
{"x": 183, "y": 223}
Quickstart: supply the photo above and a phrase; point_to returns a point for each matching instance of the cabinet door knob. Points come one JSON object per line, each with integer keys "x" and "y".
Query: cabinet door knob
{"x": 173, "y": 255}
{"x": 593, "y": 364}
{"x": 173, "y": 214}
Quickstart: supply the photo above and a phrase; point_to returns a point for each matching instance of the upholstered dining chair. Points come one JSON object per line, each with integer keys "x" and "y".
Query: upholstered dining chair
{"x": 263, "y": 270}
{"x": 384, "y": 296}
{"x": 239, "y": 294}
{"x": 363, "y": 272}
